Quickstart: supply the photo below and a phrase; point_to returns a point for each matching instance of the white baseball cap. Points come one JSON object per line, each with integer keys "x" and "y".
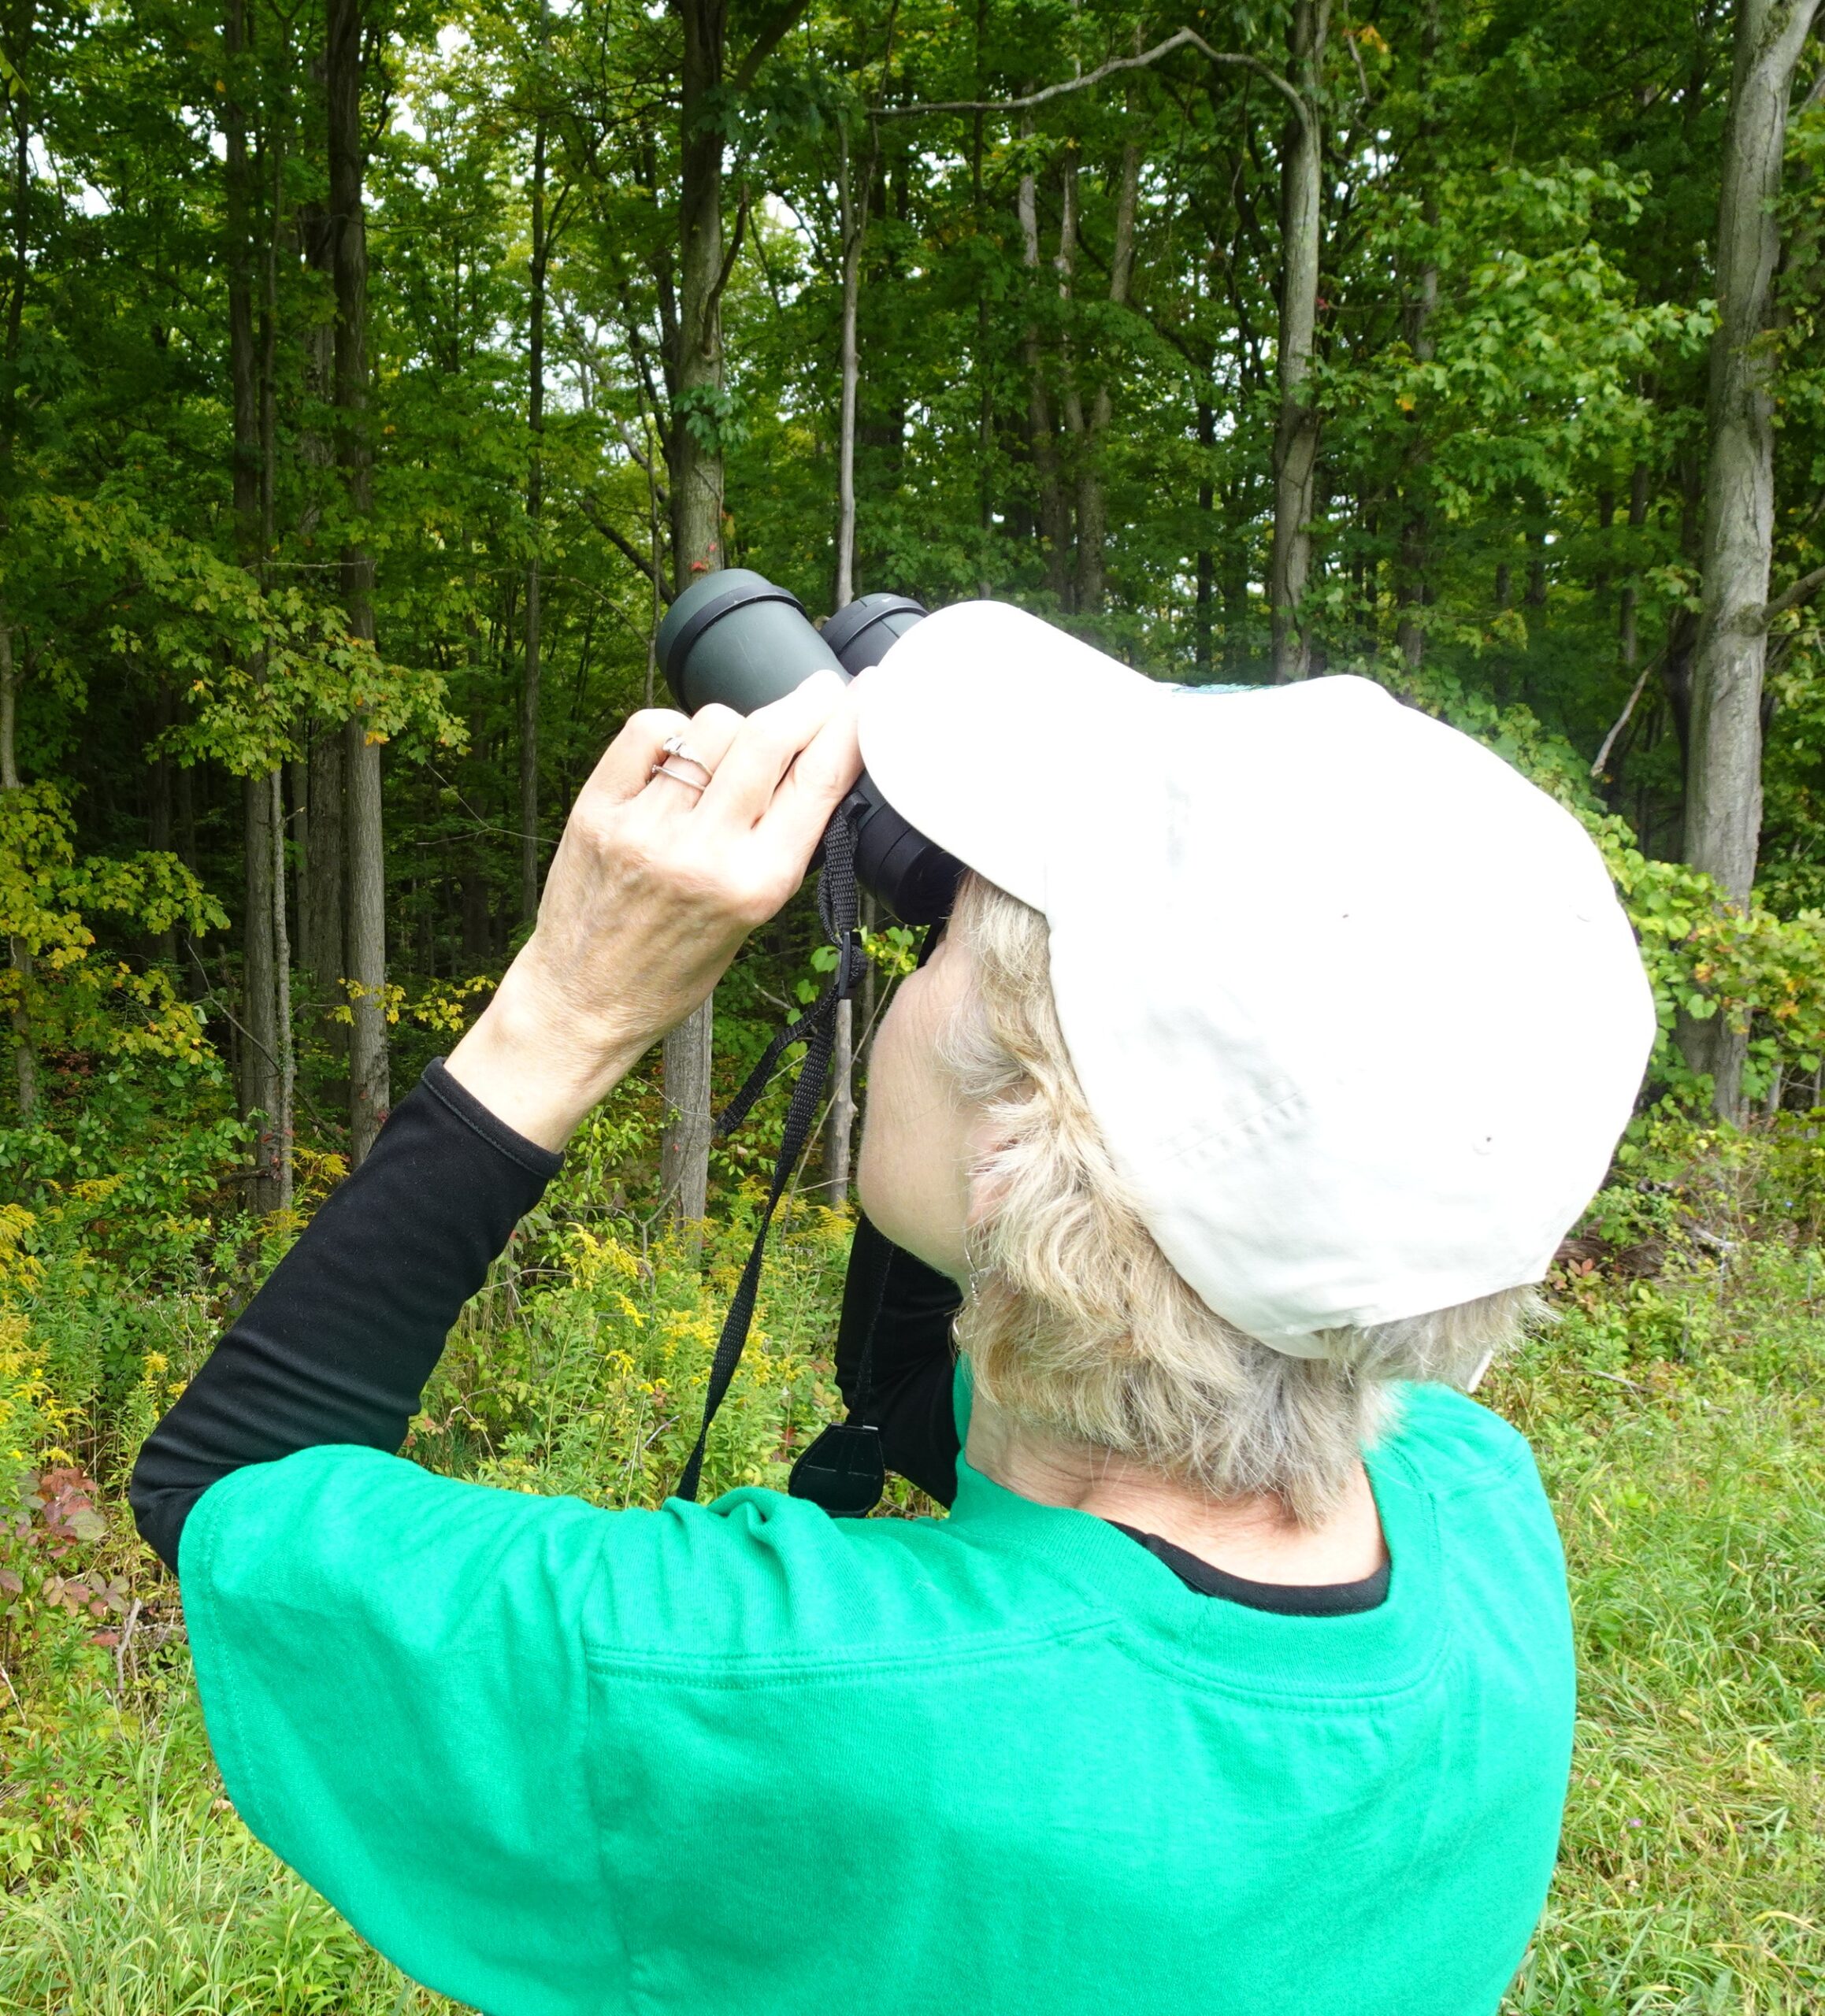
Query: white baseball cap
{"x": 1353, "y": 1003}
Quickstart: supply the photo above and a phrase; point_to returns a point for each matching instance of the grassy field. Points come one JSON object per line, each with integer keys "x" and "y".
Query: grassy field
{"x": 1676, "y": 1406}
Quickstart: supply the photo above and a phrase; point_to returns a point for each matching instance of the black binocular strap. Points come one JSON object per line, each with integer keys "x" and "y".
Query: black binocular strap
{"x": 816, "y": 1028}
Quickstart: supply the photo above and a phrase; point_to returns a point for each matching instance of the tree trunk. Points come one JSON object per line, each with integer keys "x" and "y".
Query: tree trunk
{"x": 696, "y": 482}
{"x": 1092, "y": 498}
{"x": 1295, "y": 435}
{"x": 535, "y": 507}
{"x": 840, "y": 1128}
{"x": 367, "y": 957}
{"x": 853, "y": 212}
{"x": 19, "y": 953}
{"x": 1055, "y": 529}
{"x": 323, "y": 938}
{"x": 285, "y": 1077}
{"x": 684, "y": 1152}
{"x": 1724, "y": 792}
{"x": 695, "y": 444}
{"x": 259, "y": 1073}
{"x": 244, "y": 368}
{"x": 1070, "y": 401}
{"x": 322, "y": 933}
{"x": 1204, "y": 616}
{"x": 368, "y": 1085}
{"x": 854, "y": 215}
{"x": 258, "y": 1088}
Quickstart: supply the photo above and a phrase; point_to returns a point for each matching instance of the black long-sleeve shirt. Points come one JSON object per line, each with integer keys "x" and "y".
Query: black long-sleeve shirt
{"x": 337, "y": 1346}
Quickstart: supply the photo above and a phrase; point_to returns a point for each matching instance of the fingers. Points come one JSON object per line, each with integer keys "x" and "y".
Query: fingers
{"x": 625, "y": 768}
{"x": 816, "y": 784}
{"x": 712, "y": 730}
{"x": 627, "y": 762}
{"x": 770, "y": 741}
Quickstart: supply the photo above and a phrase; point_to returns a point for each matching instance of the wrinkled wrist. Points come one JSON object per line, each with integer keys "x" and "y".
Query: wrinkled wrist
{"x": 538, "y": 1068}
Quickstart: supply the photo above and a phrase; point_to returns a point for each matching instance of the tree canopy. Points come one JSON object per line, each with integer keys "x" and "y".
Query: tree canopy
{"x": 373, "y": 375}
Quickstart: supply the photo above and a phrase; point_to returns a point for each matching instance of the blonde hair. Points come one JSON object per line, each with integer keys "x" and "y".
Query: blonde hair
{"x": 1077, "y": 1326}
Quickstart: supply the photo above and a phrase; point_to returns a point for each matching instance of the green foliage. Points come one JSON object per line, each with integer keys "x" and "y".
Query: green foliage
{"x": 63, "y": 997}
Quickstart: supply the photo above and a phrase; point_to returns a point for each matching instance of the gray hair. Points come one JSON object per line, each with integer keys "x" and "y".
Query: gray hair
{"x": 1077, "y": 1325}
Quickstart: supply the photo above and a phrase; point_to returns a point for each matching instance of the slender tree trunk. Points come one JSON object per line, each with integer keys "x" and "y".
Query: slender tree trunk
{"x": 277, "y": 230}
{"x": 1723, "y": 790}
{"x": 1092, "y": 498}
{"x": 259, "y": 1074}
{"x": 287, "y": 1074}
{"x": 853, "y": 207}
{"x": 323, "y": 937}
{"x": 19, "y": 109}
{"x": 243, "y": 367}
{"x": 684, "y": 1151}
{"x": 1055, "y": 529}
{"x": 322, "y": 934}
{"x": 1295, "y": 435}
{"x": 853, "y": 212}
{"x": 696, "y": 484}
{"x": 366, "y": 967}
{"x": 1070, "y": 401}
{"x": 656, "y": 559}
{"x": 19, "y": 953}
{"x": 840, "y": 1129}
{"x": 697, "y": 449}
{"x": 1204, "y": 616}
{"x": 535, "y": 508}
{"x": 370, "y": 1093}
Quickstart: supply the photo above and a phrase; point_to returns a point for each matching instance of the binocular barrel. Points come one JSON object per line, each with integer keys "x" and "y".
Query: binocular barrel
{"x": 734, "y": 638}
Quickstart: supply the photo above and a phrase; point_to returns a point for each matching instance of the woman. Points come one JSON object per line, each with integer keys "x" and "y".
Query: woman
{"x": 1272, "y": 1045}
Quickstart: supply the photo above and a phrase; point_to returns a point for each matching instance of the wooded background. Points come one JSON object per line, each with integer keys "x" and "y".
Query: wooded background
{"x": 372, "y": 375}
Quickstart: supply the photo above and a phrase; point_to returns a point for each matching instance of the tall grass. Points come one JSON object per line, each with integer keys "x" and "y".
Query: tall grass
{"x": 186, "y": 1914}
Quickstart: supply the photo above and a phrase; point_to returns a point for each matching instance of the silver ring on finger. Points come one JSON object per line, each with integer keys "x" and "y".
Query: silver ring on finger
{"x": 678, "y": 777}
{"x": 675, "y": 750}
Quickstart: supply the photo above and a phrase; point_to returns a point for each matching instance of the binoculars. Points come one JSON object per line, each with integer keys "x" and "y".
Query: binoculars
{"x": 736, "y": 638}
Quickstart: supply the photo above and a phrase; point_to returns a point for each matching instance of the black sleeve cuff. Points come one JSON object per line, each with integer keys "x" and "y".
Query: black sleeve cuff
{"x": 542, "y": 1164}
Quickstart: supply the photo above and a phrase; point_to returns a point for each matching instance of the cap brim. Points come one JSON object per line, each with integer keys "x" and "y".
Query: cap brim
{"x": 973, "y": 726}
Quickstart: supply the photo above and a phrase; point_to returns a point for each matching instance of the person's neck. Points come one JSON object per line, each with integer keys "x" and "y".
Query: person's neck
{"x": 1253, "y": 1537}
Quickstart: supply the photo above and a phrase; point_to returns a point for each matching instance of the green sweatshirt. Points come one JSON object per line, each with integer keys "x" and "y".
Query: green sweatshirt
{"x": 738, "y": 1759}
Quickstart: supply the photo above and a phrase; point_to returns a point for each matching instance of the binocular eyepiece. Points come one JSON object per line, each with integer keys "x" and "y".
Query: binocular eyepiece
{"x": 734, "y": 637}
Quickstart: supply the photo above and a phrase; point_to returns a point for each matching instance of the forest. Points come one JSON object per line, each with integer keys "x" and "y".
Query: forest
{"x": 373, "y": 374}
